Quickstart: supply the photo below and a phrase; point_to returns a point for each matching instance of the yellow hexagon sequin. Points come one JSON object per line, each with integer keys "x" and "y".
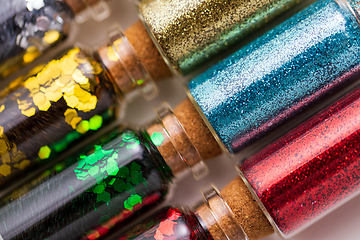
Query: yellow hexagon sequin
{"x": 5, "y": 170}
{"x": 51, "y": 36}
{"x": 3, "y": 146}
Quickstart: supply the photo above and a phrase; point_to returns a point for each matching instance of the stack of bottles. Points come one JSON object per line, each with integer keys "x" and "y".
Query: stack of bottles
{"x": 103, "y": 188}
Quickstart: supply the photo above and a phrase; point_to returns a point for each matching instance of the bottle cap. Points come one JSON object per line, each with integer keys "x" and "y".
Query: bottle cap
{"x": 127, "y": 70}
{"x": 216, "y": 212}
{"x": 187, "y": 157}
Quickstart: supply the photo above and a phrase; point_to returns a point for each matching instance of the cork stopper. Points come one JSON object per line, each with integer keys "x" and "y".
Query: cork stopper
{"x": 175, "y": 146}
{"x": 197, "y": 130}
{"x": 246, "y": 210}
{"x": 184, "y": 129}
{"x": 123, "y": 64}
{"x": 147, "y": 51}
{"x": 218, "y": 217}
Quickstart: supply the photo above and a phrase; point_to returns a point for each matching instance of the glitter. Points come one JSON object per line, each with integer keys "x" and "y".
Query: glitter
{"x": 157, "y": 138}
{"x": 28, "y": 28}
{"x": 83, "y": 127}
{"x": 100, "y": 188}
{"x": 95, "y": 122}
{"x": 191, "y": 32}
{"x": 44, "y": 152}
{"x": 279, "y": 74}
{"x": 312, "y": 169}
{"x": 5, "y": 170}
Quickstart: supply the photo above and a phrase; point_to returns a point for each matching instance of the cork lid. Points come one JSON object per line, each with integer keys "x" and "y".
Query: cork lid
{"x": 125, "y": 67}
{"x": 176, "y": 147}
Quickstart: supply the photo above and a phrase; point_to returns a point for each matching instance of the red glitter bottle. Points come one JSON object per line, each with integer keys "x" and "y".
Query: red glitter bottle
{"x": 311, "y": 170}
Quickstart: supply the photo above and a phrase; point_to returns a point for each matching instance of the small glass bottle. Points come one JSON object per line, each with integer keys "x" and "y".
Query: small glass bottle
{"x": 108, "y": 183}
{"x": 29, "y": 27}
{"x": 310, "y": 171}
{"x": 66, "y": 100}
{"x": 189, "y": 33}
{"x": 267, "y": 82}
{"x": 214, "y": 220}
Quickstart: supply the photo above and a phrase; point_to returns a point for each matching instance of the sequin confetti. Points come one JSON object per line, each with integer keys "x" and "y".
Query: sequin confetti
{"x": 65, "y": 100}
{"x": 28, "y": 28}
{"x": 100, "y": 188}
{"x": 168, "y": 224}
{"x": 279, "y": 74}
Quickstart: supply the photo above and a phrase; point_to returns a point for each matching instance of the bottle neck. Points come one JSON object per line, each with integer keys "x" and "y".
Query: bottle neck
{"x": 127, "y": 71}
{"x": 218, "y": 218}
{"x": 174, "y": 144}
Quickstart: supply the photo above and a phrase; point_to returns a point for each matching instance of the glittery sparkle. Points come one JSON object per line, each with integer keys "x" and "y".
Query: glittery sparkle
{"x": 100, "y": 188}
{"x": 278, "y": 74}
{"x": 191, "y": 32}
{"x": 28, "y": 28}
{"x": 168, "y": 224}
{"x": 55, "y": 104}
{"x": 312, "y": 169}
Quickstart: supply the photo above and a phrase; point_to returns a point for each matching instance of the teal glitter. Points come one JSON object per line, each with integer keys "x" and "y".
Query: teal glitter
{"x": 279, "y": 74}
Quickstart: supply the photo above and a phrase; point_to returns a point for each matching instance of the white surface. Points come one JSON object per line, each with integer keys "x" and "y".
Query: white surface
{"x": 341, "y": 224}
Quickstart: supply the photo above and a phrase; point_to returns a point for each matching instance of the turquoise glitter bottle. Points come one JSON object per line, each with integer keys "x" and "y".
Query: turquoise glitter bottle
{"x": 280, "y": 73}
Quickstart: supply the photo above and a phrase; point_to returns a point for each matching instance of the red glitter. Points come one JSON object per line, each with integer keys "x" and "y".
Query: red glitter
{"x": 312, "y": 169}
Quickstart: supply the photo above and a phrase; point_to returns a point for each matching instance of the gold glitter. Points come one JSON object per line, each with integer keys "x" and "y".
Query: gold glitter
{"x": 111, "y": 55}
{"x": 32, "y": 52}
{"x": 5, "y": 157}
{"x": 71, "y": 100}
{"x": 75, "y": 121}
{"x": 5, "y": 170}
{"x": 29, "y": 112}
{"x": 51, "y": 36}
{"x": 3, "y": 146}
{"x": 191, "y": 32}
{"x": 22, "y": 165}
{"x": 1, "y": 130}
{"x": 79, "y": 77}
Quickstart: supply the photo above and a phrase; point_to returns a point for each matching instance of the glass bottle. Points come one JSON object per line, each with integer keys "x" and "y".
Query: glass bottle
{"x": 66, "y": 100}
{"x": 108, "y": 183}
{"x": 286, "y": 187}
{"x": 189, "y": 33}
{"x": 214, "y": 220}
{"x": 279, "y": 74}
{"x": 311, "y": 170}
{"x": 29, "y": 27}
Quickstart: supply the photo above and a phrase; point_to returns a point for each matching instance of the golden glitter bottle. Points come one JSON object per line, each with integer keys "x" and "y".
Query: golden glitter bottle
{"x": 188, "y": 33}
{"x": 66, "y": 100}
{"x": 30, "y": 27}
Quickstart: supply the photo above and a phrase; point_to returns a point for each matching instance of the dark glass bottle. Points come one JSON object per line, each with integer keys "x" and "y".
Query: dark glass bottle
{"x": 103, "y": 187}
{"x": 29, "y": 27}
{"x": 119, "y": 175}
{"x": 64, "y": 101}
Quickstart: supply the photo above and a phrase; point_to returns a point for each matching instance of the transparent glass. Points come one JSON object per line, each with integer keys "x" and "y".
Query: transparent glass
{"x": 43, "y": 113}
{"x": 267, "y": 82}
{"x": 189, "y": 33}
{"x": 28, "y": 28}
{"x": 311, "y": 170}
{"x": 169, "y": 223}
{"x": 107, "y": 184}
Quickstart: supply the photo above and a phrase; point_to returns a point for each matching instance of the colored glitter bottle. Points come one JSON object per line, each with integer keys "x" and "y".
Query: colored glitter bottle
{"x": 66, "y": 100}
{"x": 286, "y": 187}
{"x": 29, "y": 27}
{"x": 190, "y": 33}
{"x": 106, "y": 185}
{"x": 311, "y": 170}
{"x": 279, "y": 74}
